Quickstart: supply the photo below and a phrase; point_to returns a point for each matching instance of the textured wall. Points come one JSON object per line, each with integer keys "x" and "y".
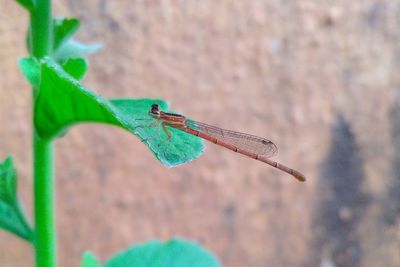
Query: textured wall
{"x": 319, "y": 79}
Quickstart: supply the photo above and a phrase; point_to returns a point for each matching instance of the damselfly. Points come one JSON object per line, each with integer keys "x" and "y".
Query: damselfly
{"x": 249, "y": 145}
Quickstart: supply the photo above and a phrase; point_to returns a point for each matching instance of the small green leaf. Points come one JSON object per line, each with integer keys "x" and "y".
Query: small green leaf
{"x": 90, "y": 260}
{"x": 12, "y": 217}
{"x": 64, "y": 47}
{"x": 30, "y": 67}
{"x": 8, "y": 181}
{"x": 173, "y": 253}
{"x": 64, "y": 29}
{"x": 76, "y": 67}
{"x": 73, "y": 48}
{"x": 62, "y": 102}
{"x": 28, "y": 4}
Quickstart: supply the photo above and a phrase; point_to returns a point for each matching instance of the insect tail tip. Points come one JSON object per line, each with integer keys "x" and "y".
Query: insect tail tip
{"x": 299, "y": 176}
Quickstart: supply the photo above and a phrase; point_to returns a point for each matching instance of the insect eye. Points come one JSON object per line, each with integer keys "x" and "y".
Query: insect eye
{"x": 155, "y": 109}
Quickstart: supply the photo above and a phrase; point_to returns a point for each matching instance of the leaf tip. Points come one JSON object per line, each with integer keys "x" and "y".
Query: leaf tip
{"x": 90, "y": 260}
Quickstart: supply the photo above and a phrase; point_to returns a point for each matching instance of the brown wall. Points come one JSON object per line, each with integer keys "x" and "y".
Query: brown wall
{"x": 320, "y": 79}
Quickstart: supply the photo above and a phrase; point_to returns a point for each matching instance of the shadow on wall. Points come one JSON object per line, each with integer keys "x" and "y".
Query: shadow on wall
{"x": 391, "y": 204}
{"x": 341, "y": 202}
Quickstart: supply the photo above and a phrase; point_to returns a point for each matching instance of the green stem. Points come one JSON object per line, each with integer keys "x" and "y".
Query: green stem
{"x": 45, "y": 228}
{"x": 41, "y": 31}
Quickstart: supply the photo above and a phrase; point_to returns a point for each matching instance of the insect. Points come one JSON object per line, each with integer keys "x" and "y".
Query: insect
{"x": 249, "y": 145}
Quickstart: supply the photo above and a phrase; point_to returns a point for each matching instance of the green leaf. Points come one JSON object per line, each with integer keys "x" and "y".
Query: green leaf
{"x": 76, "y": 67}
{"x": 173, "y": 253}
{"x": 63, "y": 102}
{"x": 28, "y": 4}
{"x": 64, "y": 29}
{"x": 30, "y": 67}
{"x": 8, "y": 181}
{"x": 90, "y": 260}
{"x": 182, "y": 148}
{"x": 74, "y": 48}
{"x": 12, "y": 217}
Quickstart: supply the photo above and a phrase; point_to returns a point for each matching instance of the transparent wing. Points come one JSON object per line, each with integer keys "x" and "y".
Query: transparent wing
{"x": 251, "y": 143}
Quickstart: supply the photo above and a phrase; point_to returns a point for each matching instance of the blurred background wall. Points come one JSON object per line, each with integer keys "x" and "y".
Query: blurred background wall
{"x": 319, "y": 78}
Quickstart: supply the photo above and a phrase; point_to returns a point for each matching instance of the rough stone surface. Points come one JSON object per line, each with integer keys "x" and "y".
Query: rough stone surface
{"x": 319, "y": 78}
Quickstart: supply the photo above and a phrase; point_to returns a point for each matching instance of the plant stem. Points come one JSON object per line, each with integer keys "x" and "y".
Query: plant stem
{"x": 41, "y": 31}
{"x": 45, "y": 228}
